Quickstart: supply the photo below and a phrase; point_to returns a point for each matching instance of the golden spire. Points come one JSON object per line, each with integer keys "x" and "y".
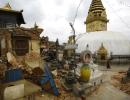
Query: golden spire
{"x": 96, "y": 11}
{"x": 7, "y": 7}
{"x": 97, "y": 17}
{"x": 96, "y": 5}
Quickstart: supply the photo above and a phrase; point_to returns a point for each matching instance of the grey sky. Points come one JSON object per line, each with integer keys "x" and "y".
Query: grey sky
{"x": 54, "y": 15}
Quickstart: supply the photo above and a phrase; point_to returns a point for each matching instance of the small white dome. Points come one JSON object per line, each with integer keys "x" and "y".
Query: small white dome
{"x": 115, "y": 42}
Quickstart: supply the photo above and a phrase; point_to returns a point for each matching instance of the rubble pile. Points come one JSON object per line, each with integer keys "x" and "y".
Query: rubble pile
{"x": 117, "y": 82}
{"x": 23, "y": 62}
{"x": 33, "y": 60}
{"x": 36, "y": 74}
{"x": 37, "y": 71}
{"x": 32, "y": 56}
{"x": 12, "y": 60}
{"x": 2, "y": 70}
{"x": 125, "y": 88}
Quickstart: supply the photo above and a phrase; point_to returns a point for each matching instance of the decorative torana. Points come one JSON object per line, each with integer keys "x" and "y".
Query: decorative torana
{"x": 102, "y": 53}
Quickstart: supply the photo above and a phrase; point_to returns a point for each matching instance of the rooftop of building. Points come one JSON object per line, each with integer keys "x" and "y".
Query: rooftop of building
{"x": 34, "y": 33}
{"x": 7, "y": 9}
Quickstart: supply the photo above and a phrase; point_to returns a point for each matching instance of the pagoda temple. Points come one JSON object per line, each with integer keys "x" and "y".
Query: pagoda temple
{"x": 13, "y": 37}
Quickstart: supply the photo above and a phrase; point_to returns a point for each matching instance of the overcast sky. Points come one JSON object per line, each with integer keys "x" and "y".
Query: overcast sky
{"x": 54, "y": 15}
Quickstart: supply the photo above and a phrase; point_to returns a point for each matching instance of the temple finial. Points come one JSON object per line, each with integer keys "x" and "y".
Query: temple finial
{"x": 35, "y": 25}
{"x": 7, "y": 6}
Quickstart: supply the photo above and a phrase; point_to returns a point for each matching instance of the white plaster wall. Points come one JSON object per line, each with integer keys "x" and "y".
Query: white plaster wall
{"x": 10, "y": 45}
{"x": 3, "y": 43}
{"x": 35, "y": 46}
{"x": 30, "y": 45}
{"x": 14, "y": 92}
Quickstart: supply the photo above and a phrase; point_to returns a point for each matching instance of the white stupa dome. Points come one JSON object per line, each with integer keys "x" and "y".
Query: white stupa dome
{"x": 115, "y": 42}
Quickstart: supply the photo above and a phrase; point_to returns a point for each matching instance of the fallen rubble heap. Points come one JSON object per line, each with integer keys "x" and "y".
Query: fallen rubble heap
{"x": 118, "y": 81}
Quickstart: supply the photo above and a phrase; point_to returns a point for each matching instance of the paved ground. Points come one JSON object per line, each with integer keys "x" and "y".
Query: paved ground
{"x": 106, "y": 90}
{"x": 115, "y": 67}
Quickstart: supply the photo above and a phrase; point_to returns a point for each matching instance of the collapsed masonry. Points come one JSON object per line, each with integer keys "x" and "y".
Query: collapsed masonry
{"x": 18, "y": 45}
{"x": 20, "y": 40}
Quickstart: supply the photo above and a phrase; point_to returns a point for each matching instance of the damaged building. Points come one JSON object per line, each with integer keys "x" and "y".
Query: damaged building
{"x": 17, "y": 42}
{"x": 14, "y": 38}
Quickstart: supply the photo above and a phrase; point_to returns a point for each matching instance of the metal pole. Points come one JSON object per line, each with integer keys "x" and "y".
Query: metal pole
{"x": 73, "y": 31}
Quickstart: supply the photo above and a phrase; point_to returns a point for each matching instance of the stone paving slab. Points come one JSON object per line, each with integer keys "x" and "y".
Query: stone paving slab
{"x": 108, "y": 92}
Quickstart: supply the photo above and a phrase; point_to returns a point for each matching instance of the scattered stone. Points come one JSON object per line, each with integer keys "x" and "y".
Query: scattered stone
{"x": 122, "y": 72}
{"x": 118, "y": 77}
{"x": 3, "y": 68}
{"x": 32, "y": 56}
{"x": 33, "y": 60}
{"x": 117, "y": 82}
{"x": 12, "y": 60}
{"x": 37, "y": 71}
